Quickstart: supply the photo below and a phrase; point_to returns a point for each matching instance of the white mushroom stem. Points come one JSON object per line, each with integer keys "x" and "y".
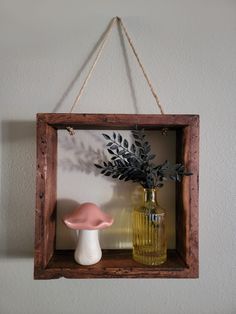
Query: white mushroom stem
{"x": 88, "y": 250}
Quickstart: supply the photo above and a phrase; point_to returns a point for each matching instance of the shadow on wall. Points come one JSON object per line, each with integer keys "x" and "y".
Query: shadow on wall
{"x": 63, "y": 233}
{"x": 17, "y": 188}
{"x": 125, "y": 197}
{"x": 79, "y": 156}
{"x": 76, "y": 156}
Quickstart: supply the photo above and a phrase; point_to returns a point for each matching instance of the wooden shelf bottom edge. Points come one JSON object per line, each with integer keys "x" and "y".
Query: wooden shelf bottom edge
{"x": 114, "y": 264}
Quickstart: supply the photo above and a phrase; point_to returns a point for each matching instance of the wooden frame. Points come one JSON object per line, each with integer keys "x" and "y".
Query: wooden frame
{"x": 50, "y": 263}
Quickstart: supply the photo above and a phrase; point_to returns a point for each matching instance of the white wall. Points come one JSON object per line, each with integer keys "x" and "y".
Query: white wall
{"x": 189, "y": 50}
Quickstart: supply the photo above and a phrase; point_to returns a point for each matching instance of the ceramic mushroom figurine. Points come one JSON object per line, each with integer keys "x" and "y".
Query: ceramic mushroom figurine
{"x": 88, "y": 219}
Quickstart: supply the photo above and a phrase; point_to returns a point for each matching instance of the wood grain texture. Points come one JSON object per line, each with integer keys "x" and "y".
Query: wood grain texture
{"x": 115, "y": 121}
{"x": 182, "y": 193}
{"x": 181, "y": 263}
{"x": 45, "y": 214}
{"x": 114, "y": 264}
{"x": 187, "y": 151}
{"x": 193, "y": 258}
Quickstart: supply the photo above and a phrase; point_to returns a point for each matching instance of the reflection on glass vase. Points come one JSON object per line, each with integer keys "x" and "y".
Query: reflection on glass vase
{"x": 149, "y": 234}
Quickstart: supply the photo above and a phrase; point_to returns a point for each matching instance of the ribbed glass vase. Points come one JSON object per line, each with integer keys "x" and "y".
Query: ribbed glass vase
{"x": 149, "y": 234}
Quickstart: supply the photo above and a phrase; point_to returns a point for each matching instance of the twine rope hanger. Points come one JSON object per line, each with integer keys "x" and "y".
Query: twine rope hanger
{"x": 98, "y": 55}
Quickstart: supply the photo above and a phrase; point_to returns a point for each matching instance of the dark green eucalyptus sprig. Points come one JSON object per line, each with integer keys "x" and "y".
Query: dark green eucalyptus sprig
{"x": 133, "y": 162}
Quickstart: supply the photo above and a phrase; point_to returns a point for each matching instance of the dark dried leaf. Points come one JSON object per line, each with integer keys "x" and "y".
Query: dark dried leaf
{"x": 126, "y": 144}
{"x": 127, "y": 155}
{"x": 133, "y": 148}
{"x": 107, "y": 137}
{"x": 119, "y": 138}
{"x": 151, "y": 157}
{"x": 132, "y": 161}
{"x": 113, "y": 146}
{"x": 122, "y": 170}
{"x": 120, "y": 163}
{"x": 127, "y": 179}
{"x": 135, "y": 163}
{"x": 98, "y": 166}
{"x": 115, "y": 176}
{"x": 136, "y": 132}
{"x": 122, "y": 177}
{"x": 121, "y": 152}
{"x": 110, "y": 152}
{"x": 107, "y": 174}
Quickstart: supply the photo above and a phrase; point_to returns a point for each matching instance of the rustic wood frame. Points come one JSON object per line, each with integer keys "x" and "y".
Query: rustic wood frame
{"x": 182, "y": 262}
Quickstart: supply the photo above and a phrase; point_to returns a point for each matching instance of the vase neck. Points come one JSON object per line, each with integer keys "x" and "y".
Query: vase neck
{"x": 150, "y": 196}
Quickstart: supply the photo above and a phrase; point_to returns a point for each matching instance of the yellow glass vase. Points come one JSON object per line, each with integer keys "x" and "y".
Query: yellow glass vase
{"x": 149, "y": 232}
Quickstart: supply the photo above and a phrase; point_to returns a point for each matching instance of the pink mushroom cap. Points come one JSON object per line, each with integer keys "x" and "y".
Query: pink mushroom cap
{"x": 87, "y": 216}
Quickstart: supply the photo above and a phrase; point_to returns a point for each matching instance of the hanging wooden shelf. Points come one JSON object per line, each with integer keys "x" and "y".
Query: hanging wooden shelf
{"x": 50, "y": 263}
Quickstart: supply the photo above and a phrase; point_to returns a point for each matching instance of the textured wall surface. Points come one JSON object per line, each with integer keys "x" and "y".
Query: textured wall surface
{"x": 189, "y": 50}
